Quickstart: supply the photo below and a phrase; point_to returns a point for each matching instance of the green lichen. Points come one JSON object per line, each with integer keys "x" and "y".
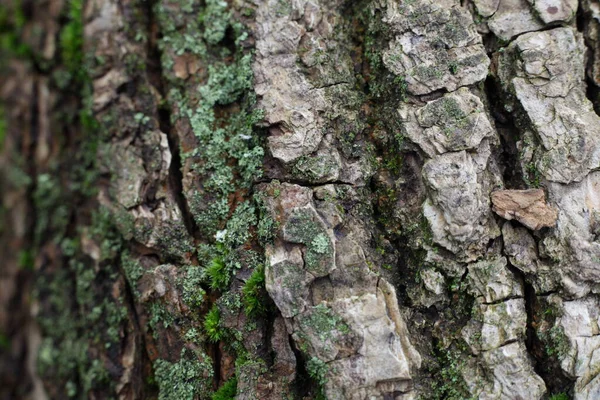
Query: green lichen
{"x": 301, "y": 227}
{"x": 267, "y": 226}
{"x": 133, "y": 271}
{"x": 186, "y": 379}
{"x": 103, "y": 229}
{"x": 317, "y": 168}
{"x": 52, "y": 213}
{"x": 317, "y": 369}
{"x": 193, "y": 293}
{"x": 160, "y": 318}
{"x": 427, "y": 73}
{"x": 215, "y": 19}
{"x": 65, "y": 354}
{"x": 323, "y": 322}
{"x": 321, "y": 244}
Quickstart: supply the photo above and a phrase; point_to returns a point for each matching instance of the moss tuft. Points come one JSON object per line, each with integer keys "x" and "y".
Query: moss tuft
{"x": 254, "y": 293}
{"x": 71, "y": 40}
{"x": 212, "y": 325}
{"x": 226, "y": 392}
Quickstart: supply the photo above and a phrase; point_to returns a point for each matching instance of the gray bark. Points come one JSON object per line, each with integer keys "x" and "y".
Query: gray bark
{"x": 300, "y": 199}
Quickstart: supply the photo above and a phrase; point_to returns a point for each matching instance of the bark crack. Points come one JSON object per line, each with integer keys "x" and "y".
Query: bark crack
{"x": 154, "y": 68}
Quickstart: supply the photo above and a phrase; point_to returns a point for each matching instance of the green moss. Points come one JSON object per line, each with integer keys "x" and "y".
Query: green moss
{"x": 26, "y": 259}
{"x": 71, "y": 40}
{"x": 532, "y": 176}
{"x": 186, "y": 379}
{"x": 218, "y": 273}
{"x": 560, "y": 396}
{"x": 212, "y": 325}
{"x": 226, "y": 392}
{"x": 254, "y": 293}
{"x": 12, "y": 21}
{"x": 4, "y": 342}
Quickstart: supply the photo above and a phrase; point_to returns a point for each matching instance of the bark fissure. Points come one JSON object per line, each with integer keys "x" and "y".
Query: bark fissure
{"x": 366, "y": 261}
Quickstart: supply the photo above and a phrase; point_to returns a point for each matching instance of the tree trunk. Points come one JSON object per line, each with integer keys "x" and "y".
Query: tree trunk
{"x": 299, "y": 199}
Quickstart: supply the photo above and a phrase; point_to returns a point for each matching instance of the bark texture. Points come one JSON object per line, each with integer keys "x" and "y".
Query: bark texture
{"x": 300, "y": 199}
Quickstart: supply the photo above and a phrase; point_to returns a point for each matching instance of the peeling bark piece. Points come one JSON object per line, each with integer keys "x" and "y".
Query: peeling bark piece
{"x": 436, "y": 46}
{"x": 526, "y": 206}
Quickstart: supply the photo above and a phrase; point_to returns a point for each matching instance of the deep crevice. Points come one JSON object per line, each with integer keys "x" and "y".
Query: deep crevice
{"x": 546, "y": 366}
{"x": 303, "y": 384}
{"x": 131, "y": 304}
{"x": 154, "y": 68}
{"x": 509, "y": 136}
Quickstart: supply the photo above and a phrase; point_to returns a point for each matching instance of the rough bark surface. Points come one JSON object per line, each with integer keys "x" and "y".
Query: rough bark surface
{"x": 300, "y": 199}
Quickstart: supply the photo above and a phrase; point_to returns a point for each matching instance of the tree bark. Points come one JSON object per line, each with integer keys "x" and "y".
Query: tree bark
{"x": 299, "y": 199}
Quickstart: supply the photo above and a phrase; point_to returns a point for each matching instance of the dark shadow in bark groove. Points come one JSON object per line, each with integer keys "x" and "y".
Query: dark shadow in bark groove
{"x": 547, "y": 367}
{"x": 508, "y": 134}
{"x": 154, "y": 68}
{"x": 303, "y": 385}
